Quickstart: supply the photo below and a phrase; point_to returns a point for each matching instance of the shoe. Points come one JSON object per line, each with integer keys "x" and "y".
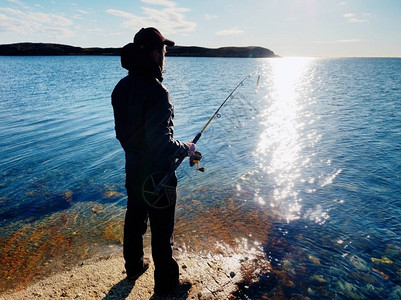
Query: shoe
{"x": 136, "y": 275}
{"x": 181, "y": 289}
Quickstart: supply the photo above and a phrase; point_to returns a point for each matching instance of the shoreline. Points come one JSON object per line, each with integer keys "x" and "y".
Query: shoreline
{"x": 83, "y": 259}
{"x": 213, "y": 276}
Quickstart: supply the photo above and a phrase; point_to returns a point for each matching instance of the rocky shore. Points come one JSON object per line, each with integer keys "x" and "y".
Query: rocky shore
{"x": 83, "y": 259}
{"x": 212, "y": 276}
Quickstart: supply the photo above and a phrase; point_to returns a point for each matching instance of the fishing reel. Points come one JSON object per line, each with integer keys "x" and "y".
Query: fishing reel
{"x": 195, "y": 159}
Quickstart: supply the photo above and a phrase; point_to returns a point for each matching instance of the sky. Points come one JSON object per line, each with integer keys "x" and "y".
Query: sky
{"x": 312, "y": 28}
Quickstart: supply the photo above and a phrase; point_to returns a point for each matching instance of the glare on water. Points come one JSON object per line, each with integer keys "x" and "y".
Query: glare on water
{"x": 282, "y": 137}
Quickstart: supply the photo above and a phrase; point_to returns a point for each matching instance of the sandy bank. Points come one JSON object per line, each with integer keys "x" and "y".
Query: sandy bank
{"x": 212, "y": 276}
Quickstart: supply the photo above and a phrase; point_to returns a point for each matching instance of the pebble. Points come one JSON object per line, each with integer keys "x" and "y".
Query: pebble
{"x": 232, "y": 274}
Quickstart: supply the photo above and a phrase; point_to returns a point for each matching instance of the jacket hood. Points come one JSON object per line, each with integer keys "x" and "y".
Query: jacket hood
{"x": 138, "y": 61}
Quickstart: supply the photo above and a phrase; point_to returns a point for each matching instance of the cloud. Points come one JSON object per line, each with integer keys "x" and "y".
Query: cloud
{"x": 342, "y": 3}
{"x": 16, "y": 25}
{"x": 19, "y": 3}
{"x": 59, "y": 33}
{"x": 160, "y": 2}
{"x": 84, "y": 12}
{"x": 232, "y": 31}
{"x": 81, "y": 14}
{"x": 355, "y": 20}
{"x": 342, "y": 41}
{"x": 346, "y": 41}
{"x": 120, "y": 13}
{"x": 170, "y": 19}
{"x": 348, "y": 15}
{"x": 52, "y": 19}
{"x": 210, "y": 17}
{"x": 21, "y": 22}
{"x": 351, "y": 17}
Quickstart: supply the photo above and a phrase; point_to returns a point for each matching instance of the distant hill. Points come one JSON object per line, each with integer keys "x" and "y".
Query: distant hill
{"x": 36, "y": 49}
{"x": 220, "y": 52}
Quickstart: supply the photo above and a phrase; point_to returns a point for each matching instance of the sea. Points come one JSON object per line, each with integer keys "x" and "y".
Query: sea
{"x": 302, "y": 164}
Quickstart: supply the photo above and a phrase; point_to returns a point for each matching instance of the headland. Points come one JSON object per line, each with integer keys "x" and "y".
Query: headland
{"x": 48, "y": 49}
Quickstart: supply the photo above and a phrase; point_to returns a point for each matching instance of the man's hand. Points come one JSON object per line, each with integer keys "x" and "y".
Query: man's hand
{"x": 191, "y": 148}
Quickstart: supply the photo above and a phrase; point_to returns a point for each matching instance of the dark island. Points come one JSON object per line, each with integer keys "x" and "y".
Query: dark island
{"x": 37, "y": 49}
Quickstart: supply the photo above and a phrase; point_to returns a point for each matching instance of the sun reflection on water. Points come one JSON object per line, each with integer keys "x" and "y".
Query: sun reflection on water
{"x": 281, "y": 141}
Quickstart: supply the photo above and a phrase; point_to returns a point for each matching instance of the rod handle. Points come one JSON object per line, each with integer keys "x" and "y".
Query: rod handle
{"x": 197, "y": 137}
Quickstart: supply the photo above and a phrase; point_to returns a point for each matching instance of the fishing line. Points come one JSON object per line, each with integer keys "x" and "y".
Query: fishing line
{"x": 157, "y": 193}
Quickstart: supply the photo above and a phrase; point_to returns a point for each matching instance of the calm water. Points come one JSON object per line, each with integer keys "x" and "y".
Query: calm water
{"x": 315, "y": 153}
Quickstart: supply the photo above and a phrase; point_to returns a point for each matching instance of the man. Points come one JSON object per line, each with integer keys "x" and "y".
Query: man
{"x": 143, "y": 117}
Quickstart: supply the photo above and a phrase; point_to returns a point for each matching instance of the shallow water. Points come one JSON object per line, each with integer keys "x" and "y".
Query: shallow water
{"x": 306, "y": 168}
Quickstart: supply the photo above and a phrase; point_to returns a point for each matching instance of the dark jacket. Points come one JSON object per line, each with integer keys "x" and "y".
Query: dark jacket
{"x": 143, "y": 116}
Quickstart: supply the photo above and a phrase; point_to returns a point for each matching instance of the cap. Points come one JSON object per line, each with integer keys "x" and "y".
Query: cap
{"x": 151, "y": 38}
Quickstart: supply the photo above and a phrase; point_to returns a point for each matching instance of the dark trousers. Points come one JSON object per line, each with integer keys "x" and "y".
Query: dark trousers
{"x": 161, "y": 225}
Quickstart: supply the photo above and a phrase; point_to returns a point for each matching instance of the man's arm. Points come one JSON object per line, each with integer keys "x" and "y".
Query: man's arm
{"x": 159, "y": 127}
{"x": 120, "y": 110}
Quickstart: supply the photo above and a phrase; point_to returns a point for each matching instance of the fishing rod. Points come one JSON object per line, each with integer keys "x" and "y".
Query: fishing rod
{"x": 152, "y": 186}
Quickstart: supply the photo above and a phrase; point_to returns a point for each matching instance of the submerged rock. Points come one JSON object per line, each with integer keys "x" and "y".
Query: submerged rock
{"x": 382, "y": 274}
{"x": 314, "y": 260}
{"x": 349, "y": 290}
{"x": 318, "y": 278}
{"x": 383, "y": 260}
{"x": 358, "y": 263}
{"x": 112, "y": 194}
{"x": 396, "y": 294}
